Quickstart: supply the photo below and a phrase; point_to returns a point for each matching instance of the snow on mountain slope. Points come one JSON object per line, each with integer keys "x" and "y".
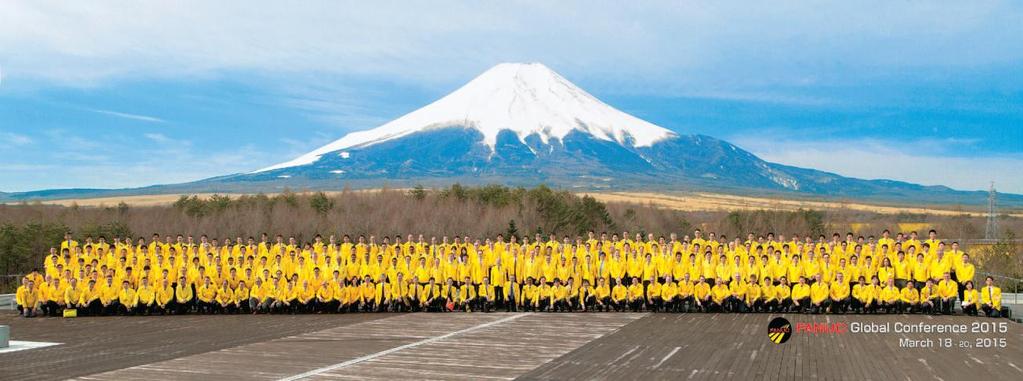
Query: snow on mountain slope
{"x": 526, "y": 99}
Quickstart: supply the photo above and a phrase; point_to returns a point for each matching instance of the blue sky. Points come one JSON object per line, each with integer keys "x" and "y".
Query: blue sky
{"x": 119, "y": 95}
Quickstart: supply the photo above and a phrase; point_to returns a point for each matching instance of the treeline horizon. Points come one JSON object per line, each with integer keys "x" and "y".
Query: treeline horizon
{"x": 27, "y": 231}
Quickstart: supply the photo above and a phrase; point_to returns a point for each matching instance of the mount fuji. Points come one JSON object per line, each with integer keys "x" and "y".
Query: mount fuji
{"x": 524, "y": 124}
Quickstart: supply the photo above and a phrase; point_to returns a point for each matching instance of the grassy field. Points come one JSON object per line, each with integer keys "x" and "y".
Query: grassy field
{"x": 696, "y": 201}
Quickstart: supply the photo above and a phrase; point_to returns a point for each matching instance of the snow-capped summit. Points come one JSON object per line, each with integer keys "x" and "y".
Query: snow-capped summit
{"x": 524, "y": 98}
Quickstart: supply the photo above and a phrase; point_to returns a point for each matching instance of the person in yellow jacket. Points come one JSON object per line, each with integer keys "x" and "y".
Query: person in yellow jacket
{"x": 259, "y": 298}
{"x": 514, "y": 296}
{"x": 736, "y": 299}
{"x": 971, "y": 299}
{"x": 544, "y": 295}
{"x": 27, "y": 298}
{"x": 559, "y": 297}
{"x": 400, "y": 301}
{"x": 240, "y": 297}
{"x": 964, "y": 271}
{"x": 224, "y": 301}
{"x": 840, "y": 294}
{"x": 754, "y": 295}
{"x": 368, "y": 291}
{"x": 465, "y": 297}
{"x": 909, "y": 298}
{"x": 108, "y": 297}
{"x": 669, "y": 294}
{"x": 686, "y": 294}
{"x": 53, "y": 303}
{"x": 702, "y": 295}
{"x": 430, "y": 298}
{"x": 820, "y": 295}
{"x": 486, "y": 295}
{"x": 769, "y": 294}
{"x": 325, "y": 301}
{"x": 948, "y": 289}
{"x": 307, "y": 295}
{"x": 184, "y": 296}
{"x": 90, "y": 299}
{"x": 889, "y": 297}
{"x": 73, "y": 295}
{"x": 654, "y": 302}
{"x": 636, "y": 297}
{"x": 164, "y": 297}
{"x": 146, "y": 297}
{"x": 127, "y": 299}
{"x": 206, "y": 294}
{"x": 930, "y": 300}
{"x": 620, "y": 297}
{"x": 718, "y": 296}
{"x": 864, "y": 296}
{"x": 991, "y": 298}
{"x": 801, "y": 296}
{"x": 783, "y": 293}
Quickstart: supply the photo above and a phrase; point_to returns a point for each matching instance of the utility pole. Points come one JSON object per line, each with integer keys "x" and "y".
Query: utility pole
{"x": 991, "y": 232}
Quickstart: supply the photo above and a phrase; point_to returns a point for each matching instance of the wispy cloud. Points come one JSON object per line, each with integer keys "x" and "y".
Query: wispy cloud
{"x": 15, "y": 139}
{"x": 158, "y": 137}
{"x": 144, "y": 118}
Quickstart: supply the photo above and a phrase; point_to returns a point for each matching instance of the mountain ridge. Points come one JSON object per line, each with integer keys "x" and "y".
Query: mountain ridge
{"x": 524, "y": 124}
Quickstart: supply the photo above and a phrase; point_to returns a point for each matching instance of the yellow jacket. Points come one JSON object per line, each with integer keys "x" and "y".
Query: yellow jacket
{"x": 909, "y": 295}
{"x": 128, "y": 297}
{"x": 992, "y": 296}
{"x": 146, "y": 295}
{"x": 819, "y": 292}
{"x": 619, "y": 293}
{"x": 800, "y": 291}
{"x": 164, "y": 295}
{"x": 183, "y": 293}
{"x": 839, "y": 290}
{"x": 890, "y": 294}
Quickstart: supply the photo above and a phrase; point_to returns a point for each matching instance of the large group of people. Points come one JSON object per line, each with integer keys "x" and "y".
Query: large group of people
{"x": 596, "y": 272}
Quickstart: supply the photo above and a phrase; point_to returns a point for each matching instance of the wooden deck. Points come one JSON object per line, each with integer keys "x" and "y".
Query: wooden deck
{"x": 457, "y": 346}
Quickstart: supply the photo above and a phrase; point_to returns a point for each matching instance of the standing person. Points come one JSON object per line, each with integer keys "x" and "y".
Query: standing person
{"x": 991, "y": 298}
{"x": 513, "y": 292}
{"x": 964, "y": 272}
{"x": 499, "y": 277}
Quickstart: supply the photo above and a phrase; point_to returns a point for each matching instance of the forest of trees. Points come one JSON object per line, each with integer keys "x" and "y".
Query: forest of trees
{"x": 27, "y": 231}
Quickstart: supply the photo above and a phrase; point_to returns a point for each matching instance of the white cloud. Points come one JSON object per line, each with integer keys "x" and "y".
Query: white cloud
{"x": 13, "y": 139}
{"x": 666, "y": 43}
{"x": 923, "y": 161}
{"x": 125, "y": 115}
{"x": 158, "y": 137}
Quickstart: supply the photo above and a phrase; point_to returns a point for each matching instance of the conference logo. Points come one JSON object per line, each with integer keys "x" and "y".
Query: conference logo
{"x": 779, "y": 330}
